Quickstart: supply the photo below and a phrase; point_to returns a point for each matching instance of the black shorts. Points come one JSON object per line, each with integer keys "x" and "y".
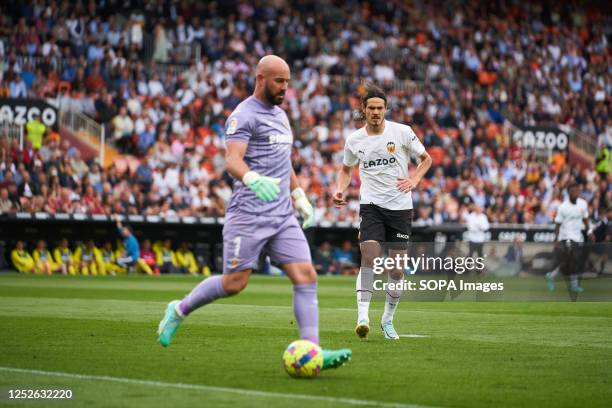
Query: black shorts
{"x": 572, "y": 257}
{"x": 383, "y": 225}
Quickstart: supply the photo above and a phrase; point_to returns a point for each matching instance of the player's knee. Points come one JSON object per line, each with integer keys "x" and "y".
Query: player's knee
{"x": 308, "y": 275}
{"x": 369, "y": 251}
{"x": 235, "y": 283}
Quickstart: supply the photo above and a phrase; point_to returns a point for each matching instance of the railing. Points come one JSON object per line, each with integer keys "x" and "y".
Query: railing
{"x": 85, "y": 128}
{"x": 12, "y": 131}
{"x": 581, "y": 140}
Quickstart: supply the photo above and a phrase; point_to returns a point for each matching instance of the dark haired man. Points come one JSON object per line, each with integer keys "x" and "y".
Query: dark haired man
{"x": 382, "y": 149}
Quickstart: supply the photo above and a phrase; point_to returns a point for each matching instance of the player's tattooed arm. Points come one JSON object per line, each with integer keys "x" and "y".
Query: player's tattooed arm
{"x": 409, "y": 183}
{"x": 342, "y": 183}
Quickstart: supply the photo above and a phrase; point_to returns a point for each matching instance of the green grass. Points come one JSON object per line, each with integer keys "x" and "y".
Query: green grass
{"x": 475, "y": 354}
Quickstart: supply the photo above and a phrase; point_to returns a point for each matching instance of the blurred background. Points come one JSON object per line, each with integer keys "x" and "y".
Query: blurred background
{"x": 119, "y": 107}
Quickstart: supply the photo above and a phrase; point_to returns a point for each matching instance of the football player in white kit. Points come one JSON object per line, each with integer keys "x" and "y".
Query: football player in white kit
{"x": 572, "y": 216}
{"x": 382, "y": 149}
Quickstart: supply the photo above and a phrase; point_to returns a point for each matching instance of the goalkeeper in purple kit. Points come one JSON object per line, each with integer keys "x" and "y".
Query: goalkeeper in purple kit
{"x": 260, "y": 215}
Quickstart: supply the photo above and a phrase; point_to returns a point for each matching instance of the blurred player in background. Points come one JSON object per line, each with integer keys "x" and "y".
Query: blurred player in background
{"x": 260, "y": 215}
{"x": 64, "y": 258}
{"x": 85, "y": 256}
{"x": 148, "y": 256}
{"x": 109, "y": 264}
{"x": 21, "y": 258}
{"x": 166, "y": 258}
{"x": 186, "y": 260}
{"x": 572, "y": 216}
{"x": 382, "y": 149}
{"x": 43, "y": 260}
{"x": 477, "y": 225}
{"x": 130, "y": 258}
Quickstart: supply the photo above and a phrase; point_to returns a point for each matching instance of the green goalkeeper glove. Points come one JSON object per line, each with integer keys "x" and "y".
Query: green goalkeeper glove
{"x": 265, "y": 188}
{"x": 304, "y": 207}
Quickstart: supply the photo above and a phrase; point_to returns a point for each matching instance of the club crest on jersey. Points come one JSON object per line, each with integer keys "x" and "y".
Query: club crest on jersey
{"x": 234, "y": 263}
{"x": 232, "y": 126}
{"x": 391, "y": 147}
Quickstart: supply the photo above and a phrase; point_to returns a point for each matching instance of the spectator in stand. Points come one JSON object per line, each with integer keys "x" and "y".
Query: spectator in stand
{"x": 123, "y": 127}
{"x": 344, "y": 259}
{"x": 18, "y": 88}
{"x": 6, "y": 205}
{"x": 36, "y": 131}
{"x": 323, "y": 259}
{"x": 546, "y": 67}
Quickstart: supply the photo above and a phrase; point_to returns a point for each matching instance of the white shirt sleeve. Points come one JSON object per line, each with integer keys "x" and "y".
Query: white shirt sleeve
{"x": 349, "y": 157}
{"x": 484, "y": 222}
{"x": 559, "y": 217}
{"x": 411, "y": 142}
{"x": 585, "y": 210}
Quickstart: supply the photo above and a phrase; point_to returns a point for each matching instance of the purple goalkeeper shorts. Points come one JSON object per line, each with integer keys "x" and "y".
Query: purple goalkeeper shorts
{"x": 245, "y": 236}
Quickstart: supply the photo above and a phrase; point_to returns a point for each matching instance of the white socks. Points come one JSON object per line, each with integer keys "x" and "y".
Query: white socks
{"x": 364, "y": 288}
{"x": 554, "y": 272}
{"x": 393, "y": 297}
{"x": 362, "y": 311}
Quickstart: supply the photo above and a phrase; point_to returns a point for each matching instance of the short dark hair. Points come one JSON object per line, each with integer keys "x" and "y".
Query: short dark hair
{"x": 373, "y": 91}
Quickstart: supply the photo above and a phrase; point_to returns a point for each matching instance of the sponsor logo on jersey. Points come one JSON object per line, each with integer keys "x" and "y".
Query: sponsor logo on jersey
{"x": 390, "y": 147}
{"x": 368, "y": 164}
{"x": 281, "y": 139}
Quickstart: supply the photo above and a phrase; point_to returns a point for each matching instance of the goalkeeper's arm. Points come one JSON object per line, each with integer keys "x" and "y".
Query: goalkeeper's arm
{"x": 301, "y": 202}
{"x": 265, "y": 188}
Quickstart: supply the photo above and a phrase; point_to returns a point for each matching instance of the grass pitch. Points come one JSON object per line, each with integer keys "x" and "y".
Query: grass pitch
{"x": 97, "y": 337}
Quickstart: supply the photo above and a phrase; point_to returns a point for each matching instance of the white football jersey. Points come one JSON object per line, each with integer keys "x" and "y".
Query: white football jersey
{"x": 571, "y": 217}
{"x": 383, "y": 159}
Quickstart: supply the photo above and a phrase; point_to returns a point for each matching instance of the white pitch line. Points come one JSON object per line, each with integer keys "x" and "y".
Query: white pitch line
{"x": 240, "y": 391}
{"x": 413, "y": 335}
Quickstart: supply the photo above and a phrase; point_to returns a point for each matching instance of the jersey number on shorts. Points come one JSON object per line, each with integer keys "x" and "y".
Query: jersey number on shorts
{"x": 237, "y": 246}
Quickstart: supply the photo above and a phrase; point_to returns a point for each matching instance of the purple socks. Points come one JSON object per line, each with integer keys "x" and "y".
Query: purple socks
{"x": 306, "y": 309}
{"x": 207, "y": 291}
{"x": 305, "y": 304}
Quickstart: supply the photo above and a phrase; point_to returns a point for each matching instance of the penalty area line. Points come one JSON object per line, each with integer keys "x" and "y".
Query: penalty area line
{"x": 209, "y": 388}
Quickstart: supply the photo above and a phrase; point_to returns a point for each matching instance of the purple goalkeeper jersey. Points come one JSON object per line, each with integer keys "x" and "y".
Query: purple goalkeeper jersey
{"x": 266, "y": 131}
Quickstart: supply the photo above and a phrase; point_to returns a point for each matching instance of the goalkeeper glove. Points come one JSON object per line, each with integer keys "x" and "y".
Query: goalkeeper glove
{"x": 265, "y": 188}
{"x": 304, "y": 207}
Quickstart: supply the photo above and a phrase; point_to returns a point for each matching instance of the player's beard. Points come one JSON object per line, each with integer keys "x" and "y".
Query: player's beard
{"x": 274, "y": 99}
{"x": 375, "y": 122}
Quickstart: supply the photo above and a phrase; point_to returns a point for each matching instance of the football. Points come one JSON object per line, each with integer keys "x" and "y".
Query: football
{"x": 303, "y": 359}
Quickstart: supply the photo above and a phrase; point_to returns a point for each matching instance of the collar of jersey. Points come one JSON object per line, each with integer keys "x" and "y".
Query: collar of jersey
{"x": 365, "y": 128}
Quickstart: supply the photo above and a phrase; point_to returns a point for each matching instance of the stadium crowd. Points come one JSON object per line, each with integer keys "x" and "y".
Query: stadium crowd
{"x": 162, "y": 76}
